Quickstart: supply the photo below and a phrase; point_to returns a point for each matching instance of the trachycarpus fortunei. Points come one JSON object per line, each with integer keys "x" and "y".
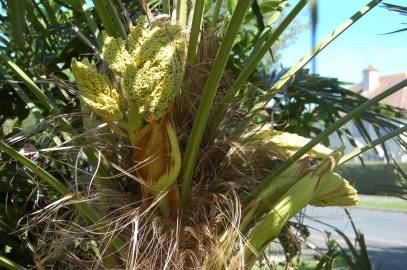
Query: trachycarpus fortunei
{"x": 147, "y": 72}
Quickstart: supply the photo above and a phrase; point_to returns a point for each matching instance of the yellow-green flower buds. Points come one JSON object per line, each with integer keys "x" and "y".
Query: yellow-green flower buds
{"x": 96, "y": 90}
{"x": 318, "y": 186}
{"x": 154, "y": 77}
{"x": 336, "y": 191}
{"x": 115, "y": 54}
{"x": 281, "y": 145}
{"x": 150, "y": 64}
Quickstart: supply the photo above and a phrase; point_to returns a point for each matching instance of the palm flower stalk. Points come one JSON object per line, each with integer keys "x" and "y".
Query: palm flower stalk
{"x": 147, "y": 71}
{"x": 301, "y": 184}
{"x": 317, "y": 186}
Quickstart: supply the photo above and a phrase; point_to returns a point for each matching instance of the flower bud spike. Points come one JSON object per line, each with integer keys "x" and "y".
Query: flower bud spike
{"x": 97, "y": 91}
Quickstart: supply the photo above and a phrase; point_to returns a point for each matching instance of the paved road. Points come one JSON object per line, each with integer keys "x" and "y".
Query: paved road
{"x": 385, "y": 233}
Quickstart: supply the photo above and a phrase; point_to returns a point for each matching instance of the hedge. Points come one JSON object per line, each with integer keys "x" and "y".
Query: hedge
{"x": 375, "y": 178}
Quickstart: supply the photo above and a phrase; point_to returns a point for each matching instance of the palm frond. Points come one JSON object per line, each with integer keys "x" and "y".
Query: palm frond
{"x": 402, "y": 10}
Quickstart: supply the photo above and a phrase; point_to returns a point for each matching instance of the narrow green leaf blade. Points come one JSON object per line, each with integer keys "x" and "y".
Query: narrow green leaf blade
{"x": 45, "y": 101}
{"x": 323, "y": 135}
{"x": 374, "y": 143}
{"x": 9, "y": 264}
{"x": 195, "y": 31}
{"x": 253, "y": 61}
{"x": 110, "y": 18}
{"x": 16, "y": 17}
{"x": 194, "y": 142}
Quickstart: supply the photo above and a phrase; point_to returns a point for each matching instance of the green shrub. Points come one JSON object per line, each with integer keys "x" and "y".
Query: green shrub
{"x": 372, "y": 178}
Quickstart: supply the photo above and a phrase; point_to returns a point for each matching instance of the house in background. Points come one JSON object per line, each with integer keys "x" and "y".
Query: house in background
{"x": 372, "y": 85}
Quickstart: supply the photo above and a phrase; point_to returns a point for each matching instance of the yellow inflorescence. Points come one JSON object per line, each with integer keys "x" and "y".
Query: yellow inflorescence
{"x": 335, "y": 192}
{"x": 115, "y": 53}
{"x": 96, "y": 90}
{"x": 150, "y": 65}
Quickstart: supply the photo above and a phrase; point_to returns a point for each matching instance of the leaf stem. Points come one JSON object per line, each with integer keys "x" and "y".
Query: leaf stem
{"x": 182, "y": 9}
{"x": 216, "y": 13}
{"x": 209, "y": 91}
{"x": 278, "y": 86}
{"x": 195, "y": 30}
{"x": 254, "y": 59}
{"x": 166, "y": 6}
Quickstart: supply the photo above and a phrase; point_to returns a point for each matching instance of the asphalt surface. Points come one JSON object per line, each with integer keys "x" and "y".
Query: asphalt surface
{"x": 385, "y": 233}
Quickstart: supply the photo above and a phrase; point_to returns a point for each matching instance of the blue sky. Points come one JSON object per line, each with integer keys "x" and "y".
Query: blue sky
{"x": 361, "y": 45}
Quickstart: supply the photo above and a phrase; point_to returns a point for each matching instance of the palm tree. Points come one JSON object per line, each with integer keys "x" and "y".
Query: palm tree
{"x": 164, "y": 161}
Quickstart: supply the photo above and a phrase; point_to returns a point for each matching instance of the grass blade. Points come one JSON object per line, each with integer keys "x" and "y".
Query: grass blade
{"x": 209, "y": 92}
{"x": 362, "y": 259}
{"x": 352, "y": 249}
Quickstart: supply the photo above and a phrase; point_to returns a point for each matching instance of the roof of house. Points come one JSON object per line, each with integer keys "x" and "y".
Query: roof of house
{"x": 398, "y": 99}
{"x": 372, "y": 68}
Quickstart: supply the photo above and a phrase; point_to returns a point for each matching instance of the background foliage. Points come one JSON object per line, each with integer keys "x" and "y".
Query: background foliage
{"x": 39, "y": 38}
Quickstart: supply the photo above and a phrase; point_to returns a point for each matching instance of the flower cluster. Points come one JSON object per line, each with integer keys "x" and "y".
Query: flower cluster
{"x": 149, "y": 66}
{"x": 97, "y": 91}
{"x": 335, "y": 192}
